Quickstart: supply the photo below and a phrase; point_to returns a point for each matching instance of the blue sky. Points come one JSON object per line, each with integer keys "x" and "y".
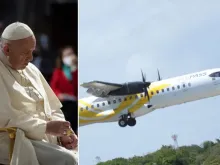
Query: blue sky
{"x": 117, "y": 38}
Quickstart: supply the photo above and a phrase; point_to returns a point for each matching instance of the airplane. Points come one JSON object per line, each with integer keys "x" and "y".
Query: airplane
{"x": 123, "y": 103}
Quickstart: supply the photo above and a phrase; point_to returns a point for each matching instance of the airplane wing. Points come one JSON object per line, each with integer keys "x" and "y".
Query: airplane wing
{"x": 100, "y": 88}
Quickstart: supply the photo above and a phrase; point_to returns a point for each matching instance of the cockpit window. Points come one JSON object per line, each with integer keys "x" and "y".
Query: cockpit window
{"x": 215, "y": 74}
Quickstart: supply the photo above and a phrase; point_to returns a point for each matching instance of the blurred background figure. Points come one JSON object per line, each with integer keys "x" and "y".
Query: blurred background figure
{"x": 64, "y": 83}
{"x": 55, "y": 24}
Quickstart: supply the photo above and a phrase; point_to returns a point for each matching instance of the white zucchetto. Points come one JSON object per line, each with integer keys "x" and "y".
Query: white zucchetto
{"x": 17, "y": 31}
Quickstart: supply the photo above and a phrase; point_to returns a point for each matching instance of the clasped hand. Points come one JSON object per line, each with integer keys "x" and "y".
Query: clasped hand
{"x": 69, "y": 142}
{"x": 60, "y": 128}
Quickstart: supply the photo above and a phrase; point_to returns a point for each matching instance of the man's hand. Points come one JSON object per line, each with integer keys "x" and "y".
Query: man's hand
{"x": 69, "y": 142}
{"x": 57, "y": 128}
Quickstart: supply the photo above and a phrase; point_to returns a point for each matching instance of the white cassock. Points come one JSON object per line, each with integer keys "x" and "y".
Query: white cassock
{"x": 27, "y": 102}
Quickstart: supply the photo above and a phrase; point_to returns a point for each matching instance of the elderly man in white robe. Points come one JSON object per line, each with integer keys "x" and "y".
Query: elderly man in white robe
{"x": 28, "y": 103}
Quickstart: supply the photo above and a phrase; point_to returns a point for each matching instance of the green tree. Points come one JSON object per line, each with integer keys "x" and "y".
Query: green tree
{"x": 207, "y": 154}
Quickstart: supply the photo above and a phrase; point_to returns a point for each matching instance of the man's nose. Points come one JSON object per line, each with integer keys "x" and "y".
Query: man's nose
{"x": 30, "y": 57}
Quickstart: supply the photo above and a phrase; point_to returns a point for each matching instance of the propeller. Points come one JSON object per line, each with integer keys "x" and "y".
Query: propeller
{"x": 158, "y": 73}
{"x": 145, "y": 85}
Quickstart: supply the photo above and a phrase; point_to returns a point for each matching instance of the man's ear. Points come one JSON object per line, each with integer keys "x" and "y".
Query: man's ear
{"x": 6, "y": 49}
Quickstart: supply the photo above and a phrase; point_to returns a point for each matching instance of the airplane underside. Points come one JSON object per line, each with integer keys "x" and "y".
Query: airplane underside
{"x": 127, "y": 119}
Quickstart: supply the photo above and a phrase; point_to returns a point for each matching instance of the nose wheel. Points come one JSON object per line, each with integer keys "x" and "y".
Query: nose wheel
{"x": 127, "y": 120}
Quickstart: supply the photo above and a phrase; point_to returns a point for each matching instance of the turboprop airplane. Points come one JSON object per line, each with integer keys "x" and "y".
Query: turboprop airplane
{"x": 123, "y": 103}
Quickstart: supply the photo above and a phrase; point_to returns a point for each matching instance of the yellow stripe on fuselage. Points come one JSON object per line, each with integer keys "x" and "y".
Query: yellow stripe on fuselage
{"x": 144, "y": 100}
{"x": 89, "y": 105}
{"x": 116, "y": 111}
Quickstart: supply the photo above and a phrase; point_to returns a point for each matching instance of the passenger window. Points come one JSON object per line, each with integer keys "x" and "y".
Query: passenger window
{"x": 157, "y": 91}
{"x": 130, "y": 97}
{"x": 162, "y": 90}
{"x": 142, "y": 95}
{"x": 184, "y": 85}
{"x": 119, "y": 99}
{"x": 152, "y": 92}
{"x": 109, "y": 102}
{"x": 81, "y": 109}
{"x": 168, "y": 89}
{"x": 189, "y": 84}
{"x": 103, "y": 104}
{"x": 97, "y": 105}
{"x": 125, "y": 99}
{"x": 178, "y": 86}
{"x": 114, "y": 101}
{"x": 136, "y": 96}
{"x": 92, "y": 106}
{"x": 173, "y": 88}
{"x": 87, "y": 108}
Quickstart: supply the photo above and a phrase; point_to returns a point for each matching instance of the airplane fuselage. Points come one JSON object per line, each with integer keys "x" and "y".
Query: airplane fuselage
{"x": 162, "y": 94}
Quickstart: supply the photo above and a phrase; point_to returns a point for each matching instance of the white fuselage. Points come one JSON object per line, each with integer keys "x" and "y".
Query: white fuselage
{"x": 172, "y": 91}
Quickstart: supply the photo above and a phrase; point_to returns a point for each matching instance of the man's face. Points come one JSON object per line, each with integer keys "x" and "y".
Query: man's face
{"x": 19, "y": 52}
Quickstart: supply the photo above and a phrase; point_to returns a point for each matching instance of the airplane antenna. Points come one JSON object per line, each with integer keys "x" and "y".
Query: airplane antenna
{"x": 174, "y": 137}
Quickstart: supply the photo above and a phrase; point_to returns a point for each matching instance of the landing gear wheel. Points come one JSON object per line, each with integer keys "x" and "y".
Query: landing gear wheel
{"x": 131, "y": 122}
{"x": 122, "y": 123}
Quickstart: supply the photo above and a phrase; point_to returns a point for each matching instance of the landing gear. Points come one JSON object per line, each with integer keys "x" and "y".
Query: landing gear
{"x": 127, "y": 120}
{"x": 122, "y": 123}
{"x": 131, "y": 122}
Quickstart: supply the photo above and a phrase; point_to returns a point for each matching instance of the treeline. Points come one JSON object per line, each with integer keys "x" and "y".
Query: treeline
{"x": 206, "y": 154}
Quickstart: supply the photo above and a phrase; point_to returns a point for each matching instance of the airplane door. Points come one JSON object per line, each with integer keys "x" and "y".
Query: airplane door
{"x": 216, "y": 80}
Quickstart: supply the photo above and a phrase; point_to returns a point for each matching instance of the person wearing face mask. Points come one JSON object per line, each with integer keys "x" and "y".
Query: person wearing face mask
{"x": 64, "y": 83}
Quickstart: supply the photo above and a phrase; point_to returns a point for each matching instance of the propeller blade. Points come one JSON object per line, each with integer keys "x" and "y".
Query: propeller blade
{"x": 146, "y": 93}
{"x": 146, "y": 85}
{"x": 148, "y": 97}
{"x": 143, "y": 78}
{"x": 158, "y": 73}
